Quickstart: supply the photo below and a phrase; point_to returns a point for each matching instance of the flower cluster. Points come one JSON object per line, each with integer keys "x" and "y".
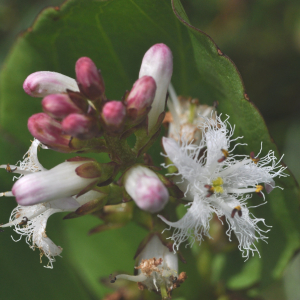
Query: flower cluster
{"x": 79, "y": 118}
{"x": 216, "y": 181}
{"x": 30, "y": 220}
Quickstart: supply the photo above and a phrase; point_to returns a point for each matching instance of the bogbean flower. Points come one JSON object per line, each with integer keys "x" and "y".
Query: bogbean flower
{"x": 216, "y": 181}
{"x": 157, "y": 269}
{"x": 30, "y": 221}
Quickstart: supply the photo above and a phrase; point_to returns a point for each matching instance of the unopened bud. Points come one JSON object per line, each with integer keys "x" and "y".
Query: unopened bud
{"x": 113, "y": 115}
{"x": 89, "y": 78}
{"x": 59, "y": 182}
{"x": 81, "y": 126}
{"x": 158, "y": 63}
{"x": 145, "y": 188}
{"x": 58, "y": 106}
{"x": 141, "y": 96}
{"x": 41, "y": 84}
{"x": 49, "y": 132}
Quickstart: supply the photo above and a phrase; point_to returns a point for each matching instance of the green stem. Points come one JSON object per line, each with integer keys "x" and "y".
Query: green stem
{"x": 119, "y": 150}
{"x": 163, "y": 291}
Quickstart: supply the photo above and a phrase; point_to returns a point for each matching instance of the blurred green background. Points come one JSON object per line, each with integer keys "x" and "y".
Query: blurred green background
{"x": 263, "y": 40}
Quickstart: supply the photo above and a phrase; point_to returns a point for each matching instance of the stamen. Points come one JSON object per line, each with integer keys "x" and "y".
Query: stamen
{"x": 9, "y": 170}
{"x": 253, "y": 158}
{"x": 210, "y": 188}
{"x": 259, "y": 188}
{"x": 112, "y": 279}
{"x": 24, "y": 222}
{"x": 225, "y": 155}
{"x": 238, "y": 210}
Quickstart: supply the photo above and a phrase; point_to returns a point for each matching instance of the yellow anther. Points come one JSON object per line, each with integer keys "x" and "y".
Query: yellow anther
{"x": 218, "y": 189}
{"x": 225, "y": 153}
{"x": 212, "y": 190}
{"x": 237, "y": 210}
{"x": 259, "y": 188}
{"x": 217, "y": 182}
{"x": 253, "y": 158}
{"x": 238, "y": 207}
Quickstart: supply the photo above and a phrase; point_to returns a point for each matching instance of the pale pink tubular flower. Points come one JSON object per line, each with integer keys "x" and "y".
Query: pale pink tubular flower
{"x": 59, "y": 182}
{"x": 145, "y": 188}
{"x": 43, "y": 83}
{"x": 158, "y": 63}
{"x": 30, "y": 221}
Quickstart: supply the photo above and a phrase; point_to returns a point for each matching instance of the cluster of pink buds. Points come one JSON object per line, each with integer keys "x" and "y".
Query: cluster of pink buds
{"x": 77, "y": 117}
{"x": 79, "y": 109}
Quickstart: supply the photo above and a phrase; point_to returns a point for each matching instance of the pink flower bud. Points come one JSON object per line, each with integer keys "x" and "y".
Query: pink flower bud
{"x": 59, "y": 106}
{"x": 49, "y": 132}
{"x": 113, "y": 115}
{"x": 145, "y": 188}
{"x": 89, "y": 78}
{"x": 41, "y": 84}
{"x": 158, "y": 63}
{"x": 57, "y": 183}
{"x": 81, "y": 126}
{"x": 141, "y": 97}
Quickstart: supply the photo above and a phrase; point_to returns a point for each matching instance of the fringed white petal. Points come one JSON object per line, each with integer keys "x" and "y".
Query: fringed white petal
{"x": 194, "y": 224}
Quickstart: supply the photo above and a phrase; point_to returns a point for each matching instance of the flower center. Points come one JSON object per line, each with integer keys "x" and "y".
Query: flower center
{"x": 217, "y": 185}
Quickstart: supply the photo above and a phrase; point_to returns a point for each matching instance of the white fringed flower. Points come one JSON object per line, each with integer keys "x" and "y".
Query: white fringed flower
{"x": 218, "y": 182}
{"x": 157, "y": 267}
{"x": 30, "y": 221}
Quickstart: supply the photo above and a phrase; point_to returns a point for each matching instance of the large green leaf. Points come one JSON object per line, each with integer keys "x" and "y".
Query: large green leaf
{"x": 116, "y": 34}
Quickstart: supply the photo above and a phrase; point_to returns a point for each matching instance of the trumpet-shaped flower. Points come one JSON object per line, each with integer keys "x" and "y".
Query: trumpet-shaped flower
{"x": 30, "y": 221}
{"x": 216, "y": 181}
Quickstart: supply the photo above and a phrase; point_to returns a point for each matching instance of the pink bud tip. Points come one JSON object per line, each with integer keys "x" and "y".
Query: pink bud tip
{"x": 49, "y": 132}
{"x": 81, "y": 126}
{"x": 41, "y": 84}
{"x": 145, "y": 188}
{"x": 89, "y": 78}
{"x": 141, "y": 96}
{"x": 59, "y": 106}
{"x": 113, "y": 114}
{"x": 151, "y": 194}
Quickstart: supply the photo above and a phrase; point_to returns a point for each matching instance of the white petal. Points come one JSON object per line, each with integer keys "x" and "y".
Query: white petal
{"x": 194, "y": 224}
